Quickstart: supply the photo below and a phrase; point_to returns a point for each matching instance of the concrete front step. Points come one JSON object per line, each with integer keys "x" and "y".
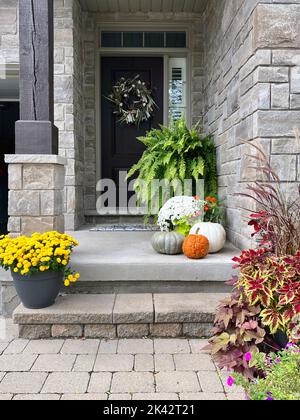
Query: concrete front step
{"x": 123, "y": 316}
{"x": 124, "y": 262}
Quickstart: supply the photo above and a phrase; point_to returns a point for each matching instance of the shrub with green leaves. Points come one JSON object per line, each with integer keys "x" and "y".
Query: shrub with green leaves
{"x": 281, "y": 376}
{"x": 175, "y": 153}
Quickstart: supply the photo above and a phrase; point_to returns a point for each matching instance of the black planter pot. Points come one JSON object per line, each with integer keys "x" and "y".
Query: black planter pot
{"x": 39, "y": 290}
{"x": 281, "y": 339}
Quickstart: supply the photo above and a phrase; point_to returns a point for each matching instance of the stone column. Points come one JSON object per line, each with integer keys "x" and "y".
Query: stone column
{"x": 36, "y": 184}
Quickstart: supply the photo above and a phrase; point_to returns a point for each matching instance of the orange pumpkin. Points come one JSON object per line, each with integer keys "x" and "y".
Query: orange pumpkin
{"x": 196, "y": 247}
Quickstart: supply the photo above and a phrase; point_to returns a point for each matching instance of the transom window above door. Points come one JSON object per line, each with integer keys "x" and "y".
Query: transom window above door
{"x": 140, "y": 39}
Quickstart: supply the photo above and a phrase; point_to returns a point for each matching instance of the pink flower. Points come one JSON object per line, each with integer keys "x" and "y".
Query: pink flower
{"x": 248, "y": 357}
{"x": 230, "y": 381}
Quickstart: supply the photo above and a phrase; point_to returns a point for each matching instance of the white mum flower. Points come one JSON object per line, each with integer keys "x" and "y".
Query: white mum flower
{"x": 178, "y": 208}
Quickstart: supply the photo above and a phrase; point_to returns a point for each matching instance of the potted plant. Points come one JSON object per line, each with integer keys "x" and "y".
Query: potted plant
{"x": 212, "y": 227}
{"x": 261, "y": 314}
{"x": 39, "y": 265}
{"x": 174, "y": 153}
{"x": 279, "y": 379}
{"x": 175, "y": 220}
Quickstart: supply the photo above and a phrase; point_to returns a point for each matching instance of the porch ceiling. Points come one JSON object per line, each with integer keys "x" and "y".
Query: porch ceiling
{"x": 188, "y": 6}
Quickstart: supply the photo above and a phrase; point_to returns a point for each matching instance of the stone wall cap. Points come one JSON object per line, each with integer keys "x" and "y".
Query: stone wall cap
{"x": 38, "y": 159}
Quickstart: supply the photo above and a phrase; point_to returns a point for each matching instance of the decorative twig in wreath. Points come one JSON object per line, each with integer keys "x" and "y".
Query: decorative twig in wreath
{"x": 133, "y": 100}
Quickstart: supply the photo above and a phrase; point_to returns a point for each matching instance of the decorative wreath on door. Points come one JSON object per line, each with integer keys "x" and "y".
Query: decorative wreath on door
{"x": 133, "y": 100}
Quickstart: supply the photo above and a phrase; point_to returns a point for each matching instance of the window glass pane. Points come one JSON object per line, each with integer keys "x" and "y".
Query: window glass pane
{"x": 176, "y": 40}
{"x": 133, "y": 39}
{"x": 177, "y": 88}
{"x": 154, "y": 39}
{"x": 111, "y": 39}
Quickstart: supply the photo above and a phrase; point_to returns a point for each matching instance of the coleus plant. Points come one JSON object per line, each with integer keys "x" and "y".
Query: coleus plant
{"x": 273, "y": 283}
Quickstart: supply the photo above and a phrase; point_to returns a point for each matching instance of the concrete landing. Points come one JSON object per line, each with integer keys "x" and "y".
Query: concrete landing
{"x": 123, "y": 316}
{"x": 128, "y": 257}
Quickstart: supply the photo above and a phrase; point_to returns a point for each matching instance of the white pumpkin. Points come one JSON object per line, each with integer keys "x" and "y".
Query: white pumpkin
{"x": 214, "y": 232}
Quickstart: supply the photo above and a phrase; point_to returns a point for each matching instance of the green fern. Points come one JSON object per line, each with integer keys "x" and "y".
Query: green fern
{"x": 175, "y": 152}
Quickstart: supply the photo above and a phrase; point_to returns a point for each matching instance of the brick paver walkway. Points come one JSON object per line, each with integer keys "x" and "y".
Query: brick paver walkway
{"x": 143, "y": 369}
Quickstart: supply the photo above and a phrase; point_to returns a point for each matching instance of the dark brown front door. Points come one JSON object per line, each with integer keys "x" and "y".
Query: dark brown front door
{"x": 120, "y": 147}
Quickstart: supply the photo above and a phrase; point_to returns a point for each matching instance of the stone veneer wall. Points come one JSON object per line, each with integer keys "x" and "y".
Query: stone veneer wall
{"x": 252, "y": 91}
{"x": 92, "y": 22}
{"x": 68, "y": 87}
{"x": 69, "y": 107}
{"x": 9, "y": 41}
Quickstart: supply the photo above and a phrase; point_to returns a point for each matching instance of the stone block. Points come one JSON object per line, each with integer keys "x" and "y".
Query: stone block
{"x": 108, "y": 347}
{"x": 271, "y": 124}
{"x": 280, "y": 96}
{"x": 162, "y": 396}
{"x": 194, "y": 362}
{"x": 100, "y": 331}
{"x": 34, "y": 332}
{"x": 164, "y": 363}
{"x": 285, "y": 167}
{"x": 203, "y": 396}
{"x": 277, "y": 26}
{"x": 135, "y": 346}
{"x": 44, "y": 347}
{"x": 171, "y": 346}
{"x": 271, "y": 75}
{"x": 66, "y": 331}
{"x": 178, "y": 308}
{"x": 84, "y": 363}
{"x": 14, "y": 224}
{"x": 132, "y": 330}
{"x": 144, "y": 363}
{"x": 15, "y": 177}
{"x": 42, "y": 224}
{"x": 197, "y": 330}
{"x": 16, "y": 346}
{"x": 132, "y": 382}
{"x": 71, "y": 309}
{"x": 54, "y": 363}
{"x": 84, "y": 397}
{"x": 16, "y": 363}
{"x": 37, "y": 397}
{"x": 166, "y": 330}
{"x": 24, "y": 203}
{"x": 43, "y": 177}
{"x": 285, "y": 145}
{"x": 100, "y": 383}
{"x": 132, "y": 309}
{"x": 286, "y": 57}
{"x": 66, "y": 383}
{"x": 177, "y": 382}
{"x": 210, "y": 382}
{"x": 23, "y": 382}
{"x": 114, "y": 363}
{"x": 80, "y": 347}
{"x": 51, "y": 203}
{"x": 295, "y": 101}
{"x": 295, "y": 79}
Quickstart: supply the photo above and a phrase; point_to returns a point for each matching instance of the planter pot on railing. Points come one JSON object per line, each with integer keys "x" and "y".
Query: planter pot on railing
{"x": 39, "y": 290}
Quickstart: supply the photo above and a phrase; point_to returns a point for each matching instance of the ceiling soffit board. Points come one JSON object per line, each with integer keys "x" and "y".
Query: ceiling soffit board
{"x": 126, "y": 6}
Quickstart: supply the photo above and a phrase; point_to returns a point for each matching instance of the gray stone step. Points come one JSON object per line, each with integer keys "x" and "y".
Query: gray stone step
{"x": 118, "y": 262}
{"x": 126, "y": 316}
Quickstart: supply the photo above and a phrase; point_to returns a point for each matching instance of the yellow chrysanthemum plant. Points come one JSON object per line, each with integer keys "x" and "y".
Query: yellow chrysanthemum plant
{"x": 39, "y": 253}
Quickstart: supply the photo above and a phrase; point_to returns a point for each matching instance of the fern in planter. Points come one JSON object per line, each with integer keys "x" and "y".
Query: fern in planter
{"x": 175, "y": 153}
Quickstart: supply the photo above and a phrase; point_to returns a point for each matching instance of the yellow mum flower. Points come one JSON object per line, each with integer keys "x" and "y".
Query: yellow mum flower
{"x": 67, "y": 283}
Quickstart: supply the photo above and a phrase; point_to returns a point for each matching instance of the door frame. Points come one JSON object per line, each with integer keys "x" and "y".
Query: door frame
{"x": 166, "y": 53}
